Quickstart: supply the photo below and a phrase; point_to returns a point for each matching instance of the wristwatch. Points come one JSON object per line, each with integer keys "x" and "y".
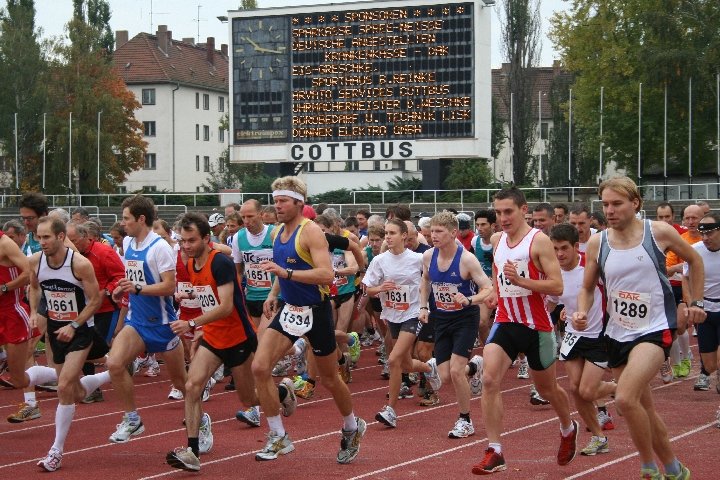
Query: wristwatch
{"x": 289, "y": 273}
{"x": 698, "y": 303}
{"x": 4, "y": 288}
{"x": 75, "y": 325}
{"x": 192, "y": 323}
{"x": 138, "y": 289}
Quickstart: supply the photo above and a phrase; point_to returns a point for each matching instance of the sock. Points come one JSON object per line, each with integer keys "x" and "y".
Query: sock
{"x": 297, "y": 350}
{"x": 496, "y": 447}
{"x": 602, "y": 409}
{"x": 703, "y": 371}
{"x": 523, "y": 360}
{"x": 39, "y": 375}
{"x": 465, "y": 416}
{"x": 276, "y": 425}
{"x": 675, "y": 353}
{"x": 133, "y": 417}
{"x": 472, "y": 369}
{"x": 650, "y": 466}
{"x": 684, "y": 343}
{"x": 194, "y": 444}
{"x": 30, "y": 398}
{"x": 567, "y": 431}
{"x": 282, "y": 392}
{"x": 92, "y": 382}
{"x": 88, "y": 368}
{"x": 350, "y": 423}
{"x": 63, "y": 418}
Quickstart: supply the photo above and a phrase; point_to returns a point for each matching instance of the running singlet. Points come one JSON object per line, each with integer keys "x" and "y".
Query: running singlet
{"x": 405, "y": 270}
{"x": 484, "y": 254}
{"x": 62, "y": 291}
{"x": 711, "y": 292}
{"x": 444, "y": 284}
{"x": 639, "y": 296}
{"x": 290, "y": 255}
{"x": 31, "y": 245}
{"x": 258, "y": 281}
{"x": 189, "y": 307}
{"x": 517, "y": 304}
{"x": 235, "y": 328}
{"x": 142, "y": 268}
{"x": 12, "y": 304}
{"x": 344, "y": 283}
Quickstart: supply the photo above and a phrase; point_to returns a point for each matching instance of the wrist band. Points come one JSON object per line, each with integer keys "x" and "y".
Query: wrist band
{"x": 424, "y": 308}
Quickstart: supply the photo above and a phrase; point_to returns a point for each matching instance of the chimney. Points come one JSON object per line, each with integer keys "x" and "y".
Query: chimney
{"x": 190, "y": 40}
{"x": 121, "y": 38}
{"x": 224, "y": 49}
{"x": 162, "y": 38}
{"x": 210, "y": 50}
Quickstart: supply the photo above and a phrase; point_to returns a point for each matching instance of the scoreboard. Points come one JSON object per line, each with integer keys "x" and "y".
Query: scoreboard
{"x": 360, "y": 81}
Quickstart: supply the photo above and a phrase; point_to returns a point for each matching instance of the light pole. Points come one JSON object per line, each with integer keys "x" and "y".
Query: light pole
{"x": 570, "y": 146}
{"x": 602, "y": 141}
{"x": 44, "y": 148}
{"x": 639, "y": 167}
{"x": 98, "y": 150}
{"x": 70, "y": 159}
{"x": 17, "y": 168}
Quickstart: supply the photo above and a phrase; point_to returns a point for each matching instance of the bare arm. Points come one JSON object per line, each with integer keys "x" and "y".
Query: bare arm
{"x": 222, "y": 248}
{"x": 542, "y": 255}
{"x": 17, "y": 258}
{"x": 586, "y": 296}
{"x": 84, "y": 271}
{"x": 313, "y": 240}
{"x": 222, "y": 310}
{"x": 470, "y": 267}
{"x": 351, "y": 262}
{"x": 425, "y": 287}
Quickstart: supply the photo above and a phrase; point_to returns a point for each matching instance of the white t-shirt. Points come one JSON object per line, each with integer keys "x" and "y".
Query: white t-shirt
{"x": 253, "y": 240}
{"x": 711, "y": 261}
{"x": 405, "y": 270}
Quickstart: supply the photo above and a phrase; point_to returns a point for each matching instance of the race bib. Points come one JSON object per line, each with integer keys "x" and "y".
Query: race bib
{"x": 398, "y": 299}
{"x": 206, "y": 297}
{"x": 187, "y": 287}
{"x": 296, "y": 321}
{"x": 338, "y": 263}
{"x": 256, "y": 276}
{"x": 62, "y": 306}
{"x": 567, "y": 343}
{"x": 631, "y": 310}
{"x": 444, "y": 297}
{"x": 507, "y": 289}
{"x": 135, "y": 272}
{"x": 340, "y": 280}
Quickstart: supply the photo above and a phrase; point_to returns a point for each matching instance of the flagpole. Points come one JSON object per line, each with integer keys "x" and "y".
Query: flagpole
{"x": 665, "y": 146}
{"x": 17, "y": 167}
{"x": 44, "y": 148}
{"x": 639, "y": 168}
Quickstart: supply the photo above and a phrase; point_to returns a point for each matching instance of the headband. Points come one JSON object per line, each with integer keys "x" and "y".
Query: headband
{"x": 288, "y": 193}
{"x": 708, "y": 227}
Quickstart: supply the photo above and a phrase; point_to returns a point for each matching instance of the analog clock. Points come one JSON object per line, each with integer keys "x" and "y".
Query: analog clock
{"x": 261, "y": 48}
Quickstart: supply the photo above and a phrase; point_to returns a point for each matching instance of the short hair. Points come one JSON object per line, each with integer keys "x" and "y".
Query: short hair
{"x": 398, "y": 223}
{"x": 351, "y": 222}
{"x": 564, "y": 232}
{"x": 15, "y": 225}
{"x": 165, "y": 225}
{"x": 714, "y": 216}
{"x": 140, "y": 205}
{"x": 57, "y": 226}
{"x": 424, "y": 222}
{"x": 702, "y": 203}
{"x": 255, "y": 203}
{"x": 562, "y": 206}
{"x": 269, "y": 209}
{"x": 235, "y": 205}
{"x": 82, "y": 211}
{"x": 292, "y": 183}
{"x": 321, "y": 207}
{"x": 546, "y": 207}
{"x": 489, "y": 214}
{"x": 375, "y": 220}
{"x": 599, "y": 217}
{"x": 365, "y": 213}
{"x": 665, "y": 205}
{"x": 399, "y": 211}
{"x": 97, "y": 221}
{"x": 376, "y": 229}
{"x": 93, "y": 228}
{"x": 235, "y": 217}
{"x": 118, "y": 227}
{"x": 325, "y": 220}
{"x": 445, "y": 219}
{"x": 60, "y": 213}
{"x": 80, "y": 228}
{"x": 512, "y": 193}
{"x": 623, "y": 186}
{"x": 36, "y": 202}
{"x": 450, "y": 209}
{"x": 579, "y": 208}
{"x": 198, "y": 220}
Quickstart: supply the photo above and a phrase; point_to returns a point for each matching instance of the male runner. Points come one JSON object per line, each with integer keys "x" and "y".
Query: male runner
{"x": 485, "y": 226}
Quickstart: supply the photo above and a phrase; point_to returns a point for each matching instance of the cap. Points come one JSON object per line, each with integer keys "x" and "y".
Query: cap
{"x": 216, "y": 219}
{"x": 464, "y": 221}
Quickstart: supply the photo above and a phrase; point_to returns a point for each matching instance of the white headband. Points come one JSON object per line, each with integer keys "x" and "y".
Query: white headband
{"x": 288, "y": 193}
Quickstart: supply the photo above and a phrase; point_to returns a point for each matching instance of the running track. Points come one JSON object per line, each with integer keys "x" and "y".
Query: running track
{"x": 418, "y": 448}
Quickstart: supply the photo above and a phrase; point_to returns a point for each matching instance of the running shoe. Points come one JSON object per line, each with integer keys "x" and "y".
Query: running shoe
{"x": 433, "y": 377}
{"x": 175, "y": 394}
{"x": 596, "y": 445}
{"x": 206, "y": 391}
{"x": 683, "y": 475}
{"x": 344, "y": 369}
{"x": 702, "y": 383}
{"x": 476, "y": 383}
{"x": 275, "y": 445}
{"x": 52, "y": 461}
{"x": 568, "y": 446}
{"x": 350, "y": 442}
{"x": 430, "y": 399}
{"x": 230, "y": 386}
{"x": 651, "y": 474}
{"x": 153, "y": 370}
{"x": 387, "y": 416}
{"x": 3, "y": 365}
{"x": 666, "y": 373}
{"x": 251, "y": 416}
{"x": 354, "y": 349}
{"x": 46, "y": 387}
{"x": 536, "y": 399}
{"x": 605, "y": 420}
{"x": 385, "y": 373}
{"x": 5, "y": 381}
{"x": 306, "y": 391}
{"x": 300, "y": 361}
{"x": 95, "y": 397}
{"x": 405, "y": 391}
{"x": 282, "y": 368}
{"x": 686, "y": 364}
{"x": 127, "y": 429}
{"x": 219, "y": 373}
{"x": 183, "y": 458}
{"x": 205, "y": 437}
{"x": 25, "y": 412}
{"x": 523, "y": 372}
{"x": 717, "y": 381}
{"x": 462, "y": 429}
{"x": 380, "y": 351}
{"x": 492, "y": 462}
{"x": 289, "y": 404}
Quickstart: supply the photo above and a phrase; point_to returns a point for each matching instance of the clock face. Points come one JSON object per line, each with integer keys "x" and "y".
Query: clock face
{"x": 261, "y": 48}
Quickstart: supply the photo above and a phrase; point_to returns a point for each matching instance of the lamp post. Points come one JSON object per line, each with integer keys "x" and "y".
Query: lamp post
{"x": 98, "y": 150}
{"x": 602, "y": 142}
{"x": 70, "y": 159}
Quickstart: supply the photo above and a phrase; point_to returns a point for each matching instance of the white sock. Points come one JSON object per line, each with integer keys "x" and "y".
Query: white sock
{"x": 684, "y": 343}
{"x": 39, "y": 375}
{"x": 63, "y": 418}
{"x": 523, "y": 360}
{"x": 497, "y": 447}
{"x": 297, "y": 350}
{"x": 276, "y": 425}
{"x": 675, "y": 353}
{"x": 567, "y": 431}
{"x": 350, "y": 423}
{"x": 30, "y": 398}
{"x": 92, "y": 382}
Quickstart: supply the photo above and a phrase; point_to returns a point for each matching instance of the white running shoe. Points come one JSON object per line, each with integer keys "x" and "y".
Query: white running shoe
{"x": 126, "y": 429}
{"x": 183, "y": 458}
{"x": 251, "y": 416}
{"x": 205, "y": 439}
{"x": 153, "y": 370}
{"x": 462, "y": 429}
{"x": 282, "y": 368}
{"x": 476, "y": 383}
{"x": 52, "y": 461}
{"x": 175, "y": 394}
{"x": 218, "y": 375}
{"x": 387, "y": 416}
{"x": 275, "y": 445}
{"x": 523, "y": 372}
{"x": 433, "y": 377}
{"x": 206, "y": 391}
{"x": 300, "y": 362}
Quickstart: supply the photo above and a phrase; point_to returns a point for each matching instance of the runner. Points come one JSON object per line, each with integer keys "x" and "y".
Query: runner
{"x": 150, "y": 281}
{"x": 228, "y": 338}
{"x": 485, "y": 226}
{"x": 642, "y": 315}
{"x": 452, "y": 274}
{"x": 66, "y": 283}
{"x": 580, "y": 219}
{"x": 300, "y": 251}
{"x": 525, "y": 270}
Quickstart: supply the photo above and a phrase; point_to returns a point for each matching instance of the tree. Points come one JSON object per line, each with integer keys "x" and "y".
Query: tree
{"x": 520, "y": 31}
{"x": 248, "y": 5}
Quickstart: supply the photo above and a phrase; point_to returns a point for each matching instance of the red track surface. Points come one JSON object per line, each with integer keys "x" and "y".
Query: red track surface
{"x": 418, "y": 448}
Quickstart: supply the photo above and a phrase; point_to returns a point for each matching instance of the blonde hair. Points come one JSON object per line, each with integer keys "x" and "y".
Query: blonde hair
{"x": 445, "y": 219}
{"x": 294, "y": 184}
{"x": 625, "y": 187}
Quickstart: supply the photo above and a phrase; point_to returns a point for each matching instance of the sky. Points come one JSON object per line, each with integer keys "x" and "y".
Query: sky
{"x": 181, "y": 18}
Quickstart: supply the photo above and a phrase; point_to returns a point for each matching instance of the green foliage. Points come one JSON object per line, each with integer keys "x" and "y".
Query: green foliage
{"x": 397, "y": 190}
{"x": 468, "y": 174}
{"x": 248, "y": 5}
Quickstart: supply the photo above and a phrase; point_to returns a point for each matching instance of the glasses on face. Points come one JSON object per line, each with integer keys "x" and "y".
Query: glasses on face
{"x": 28, "y": 218}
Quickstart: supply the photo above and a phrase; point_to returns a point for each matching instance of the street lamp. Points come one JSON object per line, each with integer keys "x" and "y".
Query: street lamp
{"x": 98, "y": 151}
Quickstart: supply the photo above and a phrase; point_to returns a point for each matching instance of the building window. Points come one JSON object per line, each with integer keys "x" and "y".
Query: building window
{"x": 544, "y": 130}
{"x": 122, "y": 189}
{"x": 206, "y": 164}
{"x": 376, "y": 165}
{"x": 221, "y": 166}
{"x": 197, "y": 132}
{"x": 197, "y": 100}
{"x": 149, "y": 128}
{"x": 353, "y": 166}
{"x": 206, "y": 101}
{"x": 221, "y": 104}
{"x": 149, "y": 188}
{"x": 310, "y": 166}
{"x": 221, "y": 135}
{"x": 150, "y": 163}
{"x": 148, "y": 96}
{"x": 197, "y": 163}
{"x": 206, "y": 133}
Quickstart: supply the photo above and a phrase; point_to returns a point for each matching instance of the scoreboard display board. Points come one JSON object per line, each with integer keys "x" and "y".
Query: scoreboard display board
{"x": 360, "y": 81}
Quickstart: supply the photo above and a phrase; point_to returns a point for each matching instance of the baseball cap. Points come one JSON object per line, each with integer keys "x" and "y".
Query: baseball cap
{"x": 216, "y": 219}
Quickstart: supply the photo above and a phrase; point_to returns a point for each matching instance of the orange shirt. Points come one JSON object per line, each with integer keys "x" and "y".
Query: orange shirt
{"x": 672, "y": 259}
